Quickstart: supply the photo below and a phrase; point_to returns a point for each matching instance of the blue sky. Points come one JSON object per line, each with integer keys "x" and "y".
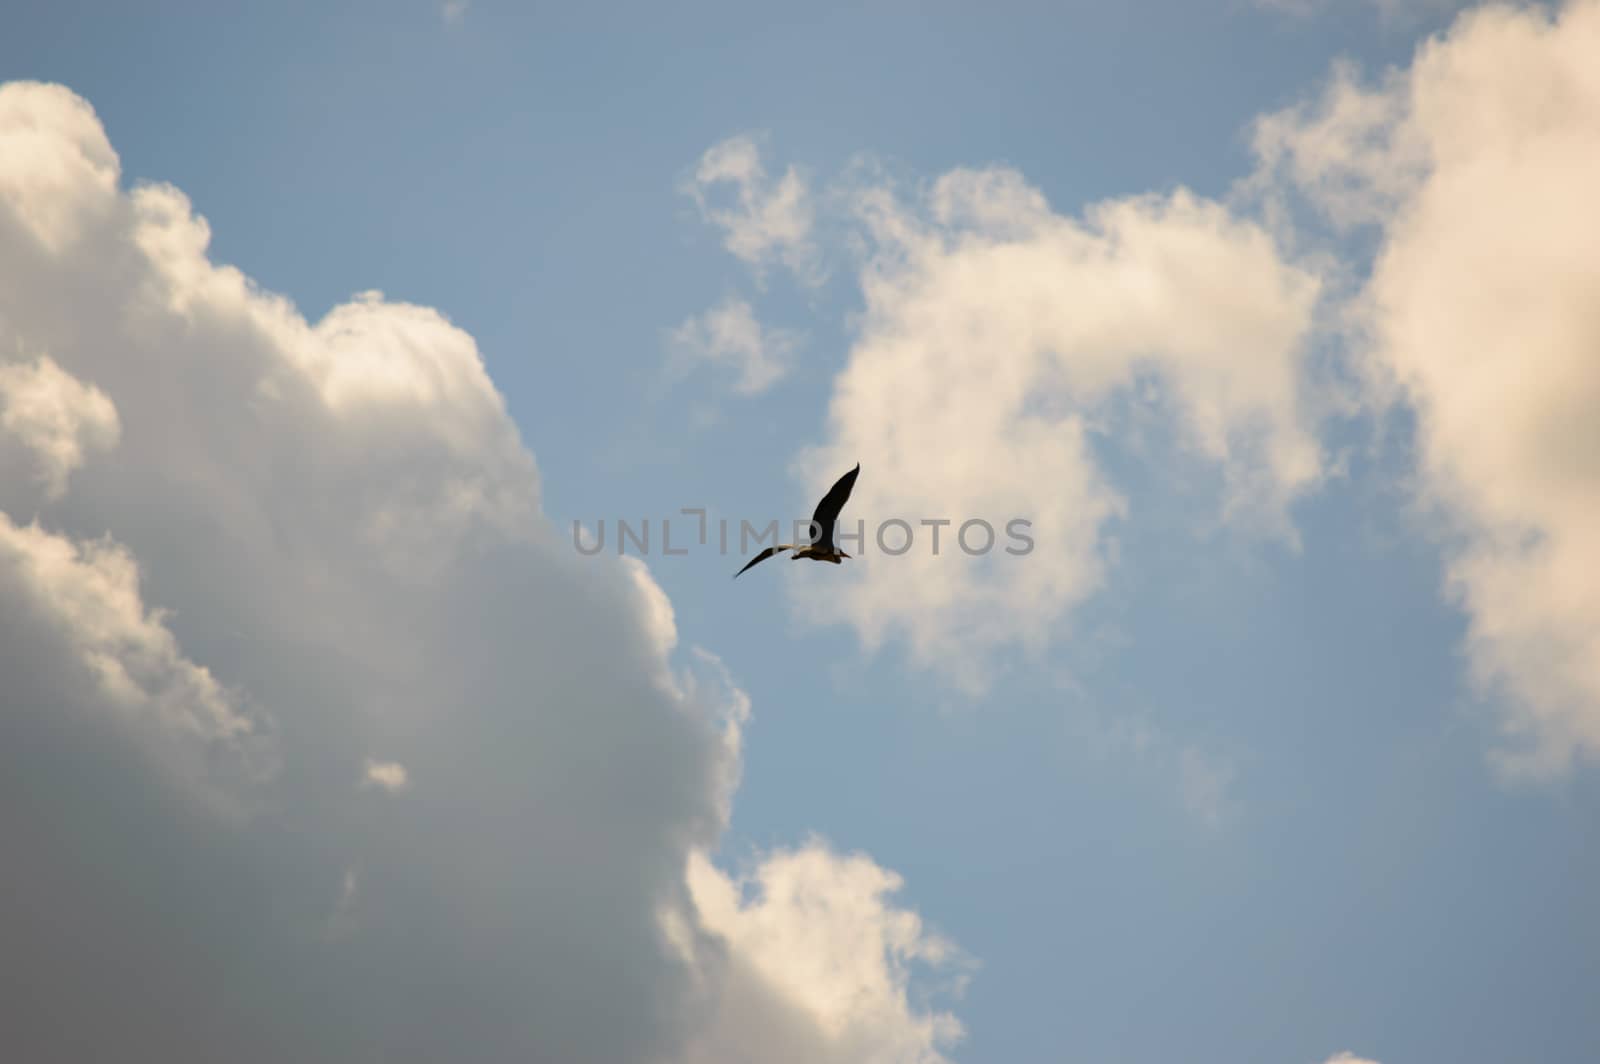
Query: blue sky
{"x": 1245, "y": 803}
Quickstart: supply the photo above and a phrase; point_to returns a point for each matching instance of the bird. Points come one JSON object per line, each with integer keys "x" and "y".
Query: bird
{"x": 821, "y": 548}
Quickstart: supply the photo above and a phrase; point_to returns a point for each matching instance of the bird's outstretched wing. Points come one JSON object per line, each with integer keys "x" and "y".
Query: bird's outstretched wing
{"x": 764, "y": 555}
{"x": 828, "y": 509}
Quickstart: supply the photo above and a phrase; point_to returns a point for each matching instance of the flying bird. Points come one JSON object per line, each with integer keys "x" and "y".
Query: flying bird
{"x": 821, "y": 548}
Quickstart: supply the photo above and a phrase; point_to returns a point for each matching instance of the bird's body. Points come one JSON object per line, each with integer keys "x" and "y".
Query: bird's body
{"x": 818, "y": 554}
{"x": 821, "y": 548}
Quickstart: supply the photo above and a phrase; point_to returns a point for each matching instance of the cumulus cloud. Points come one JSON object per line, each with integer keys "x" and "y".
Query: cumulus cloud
{"x": 1349, "y": 1058}
{"x": 1479, "y": 164}
{"x": 1000, "y": 338}
{"x": 303, "y": 544}
{"x": 729, "y": 336}
{"x": 76, "y": 613}
{"x": 767, "y": 221}
{"x": 56, "y": 185}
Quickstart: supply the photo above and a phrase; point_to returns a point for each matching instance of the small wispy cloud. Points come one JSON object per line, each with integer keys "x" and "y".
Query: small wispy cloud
{"x": 767, "y": 221}
{"x": 1203, "y": 781}
{"x": 390, "y": 775}
{"x": 729, "y": 335}
{"x": 453, "y": 11}
{"x": 1201, "y": 778}
{"x": 1389, "y": 11}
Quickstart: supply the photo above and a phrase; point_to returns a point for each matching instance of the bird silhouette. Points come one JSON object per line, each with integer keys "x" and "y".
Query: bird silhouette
{"x": 821, "y": 548}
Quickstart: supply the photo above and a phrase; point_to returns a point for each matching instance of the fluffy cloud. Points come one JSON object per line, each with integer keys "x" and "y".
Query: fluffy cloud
{"x": 819, "y": 930}
{"x": 999, "y": 339}
{"x": 729, "y": 335}
{"x": 56, "y": 418}
{"x": 1479, "y": 163}
{"x": 767, "y": 221}
{"x": 285, "y": 546}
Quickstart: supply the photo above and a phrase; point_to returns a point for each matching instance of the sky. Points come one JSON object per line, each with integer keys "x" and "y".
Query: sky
{"x": 329, "y": 332}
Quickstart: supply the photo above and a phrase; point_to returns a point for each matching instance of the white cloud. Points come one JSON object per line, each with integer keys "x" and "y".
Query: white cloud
{"x": 1349, "y": 1058}
{"x": 998, "y": 339}
{"x": 389, "y": 775}
{"x": 1481, "y": 162}
{"x": 453, "y": 11}
{"x": 57, "y": 418}
{"x": 768, "y": 221}
{"x": 729, "y": 335}
{"x": 324, "y": 541}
